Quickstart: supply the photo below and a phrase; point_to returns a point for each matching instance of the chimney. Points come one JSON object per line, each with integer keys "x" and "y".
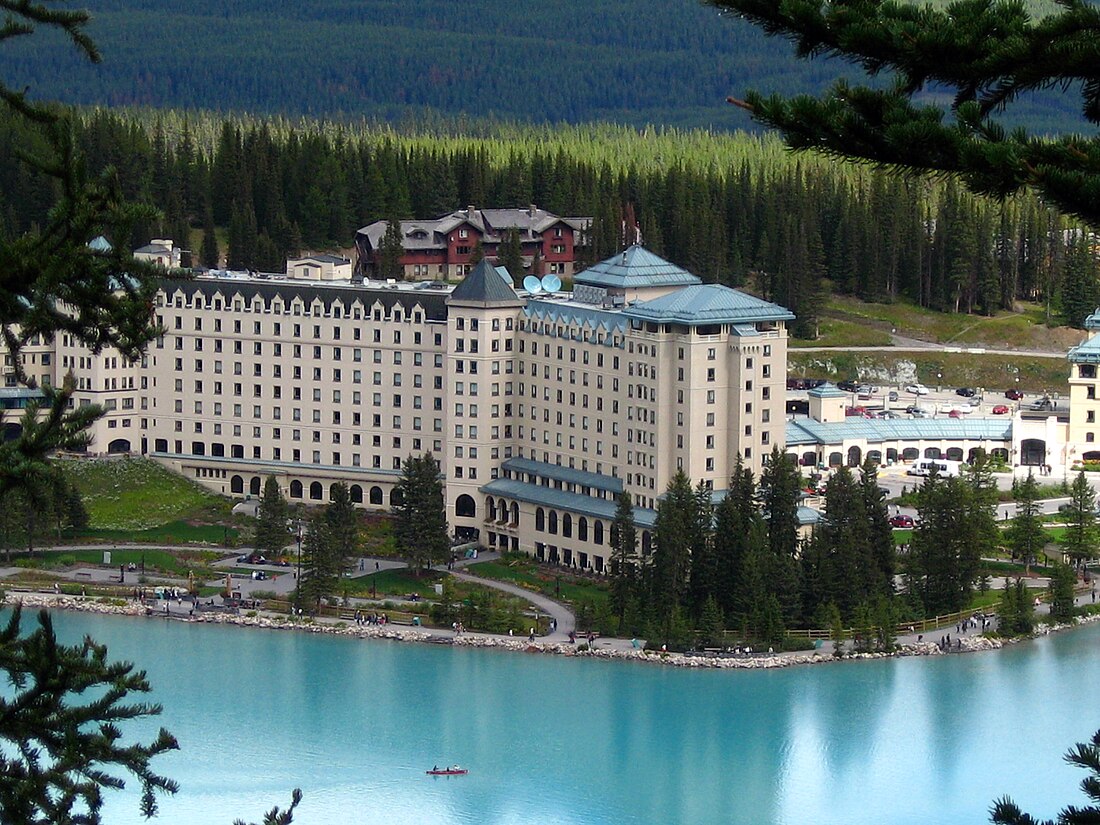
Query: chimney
{"x": 531, "y": 210}
{"x": 470, "y": 211}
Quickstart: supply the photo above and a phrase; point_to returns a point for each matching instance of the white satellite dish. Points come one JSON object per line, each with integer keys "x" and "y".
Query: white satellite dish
{"x": 551, "y": 283}
{"x": 532, "y": 284}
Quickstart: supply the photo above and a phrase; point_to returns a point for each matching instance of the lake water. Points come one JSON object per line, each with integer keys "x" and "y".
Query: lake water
{"x": 554, "y": 740}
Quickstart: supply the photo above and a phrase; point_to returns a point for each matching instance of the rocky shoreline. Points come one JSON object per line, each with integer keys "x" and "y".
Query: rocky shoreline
{"x": 474, "y": 640}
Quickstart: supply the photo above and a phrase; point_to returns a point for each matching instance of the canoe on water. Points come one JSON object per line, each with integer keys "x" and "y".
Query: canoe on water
{"x": 452, "y": 771}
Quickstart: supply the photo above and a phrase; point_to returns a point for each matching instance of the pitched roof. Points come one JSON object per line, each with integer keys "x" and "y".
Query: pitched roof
{"x": 827, "y": 390}
{"x": 708, "y": 304}
{"x": 528, "y": 466}
{"x": 633, "y": 268}
{"x": 1087, "y": 352}
{"x": 563, "y": 500}
{"x": 806, "y": 431}
{"x": 483, "y": 286}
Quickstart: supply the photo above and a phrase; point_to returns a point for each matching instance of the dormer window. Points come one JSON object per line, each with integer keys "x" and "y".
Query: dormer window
{"x": 464, "y": 233}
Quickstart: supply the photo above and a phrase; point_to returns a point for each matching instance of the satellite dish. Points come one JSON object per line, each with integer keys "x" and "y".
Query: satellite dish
{"x": 551, "y": 283}
{"x": 532, "y": 284}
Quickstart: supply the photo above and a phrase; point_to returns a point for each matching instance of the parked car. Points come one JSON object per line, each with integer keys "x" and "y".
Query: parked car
{"x": 1013, "y": 395}
{"x": 916, "y": 389}
{"x": 847, "y": 386}
{"x": 1000, "y": 409}
{"x": 893, "y": 396}
{"x": 902, "y": 522}
{"x": 850, "y": 411}
{"x": 966, "y": 392}
{"x": 864, "y": 395}
{"x": 919, "y": 413}
{"x": 954, "y": 414}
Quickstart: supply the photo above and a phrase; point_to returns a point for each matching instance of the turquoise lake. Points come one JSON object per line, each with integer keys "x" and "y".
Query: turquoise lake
{"x": 555, "y": 740}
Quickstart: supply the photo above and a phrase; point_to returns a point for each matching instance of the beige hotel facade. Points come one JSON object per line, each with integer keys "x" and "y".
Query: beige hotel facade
{"x": 540, "y": 408}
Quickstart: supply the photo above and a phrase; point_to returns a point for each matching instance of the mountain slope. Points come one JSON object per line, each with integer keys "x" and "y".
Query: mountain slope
{"x": 645, "y": 61}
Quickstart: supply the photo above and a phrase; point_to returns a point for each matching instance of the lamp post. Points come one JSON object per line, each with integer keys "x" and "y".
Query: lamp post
{"x": 939, "y": 382}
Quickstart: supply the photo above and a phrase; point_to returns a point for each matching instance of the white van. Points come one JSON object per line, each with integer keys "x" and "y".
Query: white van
{"x": 925, "y": 466}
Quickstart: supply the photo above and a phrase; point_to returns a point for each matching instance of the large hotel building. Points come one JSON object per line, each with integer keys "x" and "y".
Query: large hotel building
{"x": 540, "y": 407}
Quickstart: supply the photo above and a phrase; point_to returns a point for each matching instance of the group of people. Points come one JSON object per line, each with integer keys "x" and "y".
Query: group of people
{"x": 362, "y": 617}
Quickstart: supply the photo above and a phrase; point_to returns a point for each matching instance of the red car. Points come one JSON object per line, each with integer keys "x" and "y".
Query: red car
{"x": 1013, "y": 395}
{"x": 902, "y": 522}
{"x": 1000, "y": 409}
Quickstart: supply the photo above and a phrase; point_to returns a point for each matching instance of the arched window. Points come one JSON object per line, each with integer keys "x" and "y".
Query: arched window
{"x": 197, "y": 447}
{"x": 515, "y": 514}
{"x": 295, "y": 489}
{"x": 355, "y": 492}
{"x": 217, "y": 449}
{"x": 910, "y": 454}
{"x": 955, "y": 454}
{"x": 332, "y": 491}
{"x": 316, "y": 491}
{"x": 236, "y": 484}
{"x": 376, "y": 495}
{"x": 552, "y": 527}
{"x": 122, "y": 445}
{"x": 396, "y": 497}
{"x": 255, "y": 485}
{"x": 567, "y": 526}
{"x": 835, "y": 459}
{"x": 582, "y": 528}
{"x": 933, "y": 452}
{"x": 647, "y": 543}
{"x": 875, "y": 456}
{"x": 855, "y": 456}
{"x": 540, "y": 519}
{"x": 465, "y": 506}
{"x": 491, "y": 504}
{"x": 597, "y": 532}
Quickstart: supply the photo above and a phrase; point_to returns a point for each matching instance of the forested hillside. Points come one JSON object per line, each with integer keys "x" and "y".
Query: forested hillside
{"x": 734, "y": 209}
{"x": 669, "y": 62}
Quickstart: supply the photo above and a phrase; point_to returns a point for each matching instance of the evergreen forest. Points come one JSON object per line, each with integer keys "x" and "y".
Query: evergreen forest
{"x": 732, "y": 208}
{"x": 669, "y": 62}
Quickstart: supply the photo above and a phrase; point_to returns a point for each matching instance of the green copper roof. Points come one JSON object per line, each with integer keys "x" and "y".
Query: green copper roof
{"x": 707, "y": 304}
{"x": 483, "y": 286}
{"x": 827, "y": 390}
{"x": 805, "y": 431}
{"x": 634, "y": 268}
{"x": 1093, "y": 321}
{"x": 1087, "y": 352}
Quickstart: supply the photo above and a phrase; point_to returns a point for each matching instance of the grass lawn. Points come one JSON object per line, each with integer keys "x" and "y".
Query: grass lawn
{"x": 176, "y": 564}
{"x": 1025, "y": 329}
{"x": 959, "y": 369}
{"x": 138, "y": 494}
{"x": 840, "y": 332}
{"x": 174, "y": 532}
{"x": 527, "y": 573}
{"x": 398, "y": 582}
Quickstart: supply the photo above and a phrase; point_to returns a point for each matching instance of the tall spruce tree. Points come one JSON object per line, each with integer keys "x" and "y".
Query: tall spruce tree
{"x": 321, "y": 567}
{"x": 738, "y": 532}
{"x": 390, "y": 251}
{"x": 421, "y": 529}
{"x": 1025, "y": 534}
{"x": 343, "y": 527}
{"x": 780, "y": 492}
{"x": 271, "y": 535}
{"x": 1080, "y": 537}
{"x": 624, "y": 549}
{"x": 674, "y": 529}
{"x": 988, "y": 54}
{"x": 510, "y": 253}
{"x": 940, "y": 551}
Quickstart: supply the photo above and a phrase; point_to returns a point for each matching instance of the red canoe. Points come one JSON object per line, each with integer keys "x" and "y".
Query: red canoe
{"x": 455, "y": 771}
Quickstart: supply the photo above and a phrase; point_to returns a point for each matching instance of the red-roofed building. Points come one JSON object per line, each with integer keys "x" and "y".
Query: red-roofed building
{"x": 444, "y": 248}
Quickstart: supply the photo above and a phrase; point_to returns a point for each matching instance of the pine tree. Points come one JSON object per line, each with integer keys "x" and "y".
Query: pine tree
{"x": 421, "y": 529}
{"x": 987, "y": 54}
{"x": 738, "y": 531}
{"x": 58, "y": 728}
{"x": 510, "y": 253}
{"x": 1080, "y": 292}
{"x": 320, "y": 567}
{"x": 624, "y": 548}
{"x": 210, "y": 256}
{"x": 673, "y": 532}
{"x": 343, "y": 527}
{"x": 1025, "y": 535}
{"x": 271, "y": 535}
{"x": 390, "y": 251}
{"x": 1080, "y": 538}
{"x": 1062, "y": 581}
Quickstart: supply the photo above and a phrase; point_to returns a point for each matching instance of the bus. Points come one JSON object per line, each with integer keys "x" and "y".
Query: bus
{"x": 925, "y": 467}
